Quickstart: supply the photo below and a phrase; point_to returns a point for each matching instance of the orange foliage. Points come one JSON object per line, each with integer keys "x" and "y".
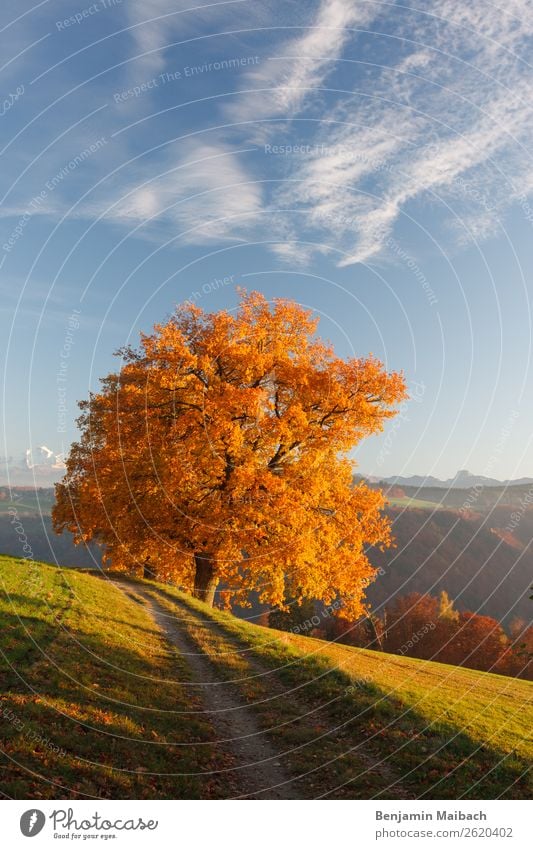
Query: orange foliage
{"x": 430, "y": 628}
{"x": 219, "y": 453}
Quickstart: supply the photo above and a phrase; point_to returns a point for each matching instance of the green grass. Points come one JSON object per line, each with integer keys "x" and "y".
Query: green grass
{"x": 445, "y": 731}
{"x": 414, "y": 503}
{"x": 88, "y": 706}
{"x": 26, "y": 500}
{"x": 93, "y": 703}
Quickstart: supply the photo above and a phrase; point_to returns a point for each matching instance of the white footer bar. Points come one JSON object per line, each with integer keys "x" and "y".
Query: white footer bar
{"x": 195, "y": 824}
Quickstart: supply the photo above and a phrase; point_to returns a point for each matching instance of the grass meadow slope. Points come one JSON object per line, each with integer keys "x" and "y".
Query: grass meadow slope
{"x": 99, "y": 700}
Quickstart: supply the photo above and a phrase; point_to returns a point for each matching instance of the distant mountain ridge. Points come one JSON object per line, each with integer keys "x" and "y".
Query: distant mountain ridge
{"x": 462, "y": 480}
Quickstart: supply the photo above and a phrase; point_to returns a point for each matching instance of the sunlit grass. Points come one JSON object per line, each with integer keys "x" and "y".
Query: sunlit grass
{"x": 454, "y": 713}
{"x": 95, "y": 703}
{"x": 87, "y": 672}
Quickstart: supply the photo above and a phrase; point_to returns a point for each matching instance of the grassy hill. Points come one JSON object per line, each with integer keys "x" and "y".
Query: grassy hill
{"x": 98, "y": 701}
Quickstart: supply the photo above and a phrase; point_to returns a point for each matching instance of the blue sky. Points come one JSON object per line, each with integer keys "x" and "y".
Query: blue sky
{"x": 371, "y": 160}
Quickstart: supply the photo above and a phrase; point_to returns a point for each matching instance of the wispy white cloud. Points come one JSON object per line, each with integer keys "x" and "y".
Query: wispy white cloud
{"x": 451, "y": 122}
{"x": 202, "y": 194}
{"x": 209, "y": 192}
{"x": 439, "y": 111}
{"x": 303, "y": 62}
{"x": 153, "y": 24}
{"x": 445, "y": 120}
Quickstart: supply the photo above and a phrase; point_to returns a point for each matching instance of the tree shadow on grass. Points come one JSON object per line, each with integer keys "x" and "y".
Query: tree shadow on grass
{"x": 434, "y": 760}
{"x": 24, "y": 638}
{"x": 90, "y": 720}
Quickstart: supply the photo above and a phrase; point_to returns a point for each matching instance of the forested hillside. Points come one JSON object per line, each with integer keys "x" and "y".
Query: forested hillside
{"x": 482, "y": 567}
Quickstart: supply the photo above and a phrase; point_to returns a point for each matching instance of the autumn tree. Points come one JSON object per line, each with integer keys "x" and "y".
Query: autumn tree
{"x": 446, "y": 608}
{"x": 299, "y": 618}
{"x": 518, "y": 657}
{"x": 219, "y": 452}
{"x": 367, "y": 632}
{"x": 477, "y": 642}
{"x": 410, "y": 621}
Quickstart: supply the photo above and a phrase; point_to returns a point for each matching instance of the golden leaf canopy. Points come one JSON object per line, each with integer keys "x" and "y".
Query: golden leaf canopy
{"x": 225, "y": 437}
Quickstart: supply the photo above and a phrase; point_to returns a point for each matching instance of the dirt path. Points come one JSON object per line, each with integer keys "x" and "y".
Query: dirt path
{"x": 259, "y": 773}
{"x": 308, "y": 714}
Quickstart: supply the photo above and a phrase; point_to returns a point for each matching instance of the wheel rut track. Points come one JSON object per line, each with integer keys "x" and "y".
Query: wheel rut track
{"x": 369, "y": 762}
{"x": 257, "y": 772}
{"x": 234, "y": 719}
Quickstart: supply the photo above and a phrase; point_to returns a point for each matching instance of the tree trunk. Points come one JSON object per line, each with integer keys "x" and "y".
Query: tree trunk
{"x": 375, "y": 633}
{"x": 205, "y": 580}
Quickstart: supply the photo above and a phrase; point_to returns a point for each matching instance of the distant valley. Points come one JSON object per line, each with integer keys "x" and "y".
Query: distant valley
{"x": 475, "y": 544}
